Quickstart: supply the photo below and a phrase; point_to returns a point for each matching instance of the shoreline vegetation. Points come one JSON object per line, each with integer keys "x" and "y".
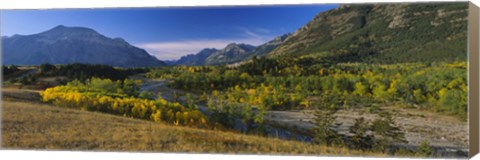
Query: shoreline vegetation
{"x": 243, "y": 95}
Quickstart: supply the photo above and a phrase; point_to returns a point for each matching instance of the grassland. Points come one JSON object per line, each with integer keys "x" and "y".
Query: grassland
{"x": 27, "y": 124}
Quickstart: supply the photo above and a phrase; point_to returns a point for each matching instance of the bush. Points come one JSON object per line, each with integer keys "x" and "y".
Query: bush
{"x": 93, "y": 96}
{"x": 425, "y": 149}
{"x": 361, "y": 139}
{"x": 386, "y": 132}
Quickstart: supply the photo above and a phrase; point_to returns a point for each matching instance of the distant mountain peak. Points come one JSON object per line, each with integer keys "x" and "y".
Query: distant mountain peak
{"x": 64, "y": 30}
{"x": 59, "y": 27}
{"x": 233, "y": 52}
{"x": 242, "y": 46}
{"x": 64, "y": 45}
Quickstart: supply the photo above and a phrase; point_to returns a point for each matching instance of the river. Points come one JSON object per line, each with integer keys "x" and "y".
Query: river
{"x": 288, "y": 125}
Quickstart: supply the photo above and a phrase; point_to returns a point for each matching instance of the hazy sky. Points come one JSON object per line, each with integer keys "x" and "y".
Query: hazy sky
{"x": 169, "y": 33}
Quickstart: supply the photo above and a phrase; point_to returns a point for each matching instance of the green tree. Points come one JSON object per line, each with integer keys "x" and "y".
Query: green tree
{"x": 190, "y": 100}
{"x": 131, "y": 87}
{"x": 24, "y": 80}
{"x": 386, "y": 132}
{"x": 46, "y": 68}
{"x": 325, "y": 121}
{"x": 361, "y": 139}
{"x": 147, "y": 95}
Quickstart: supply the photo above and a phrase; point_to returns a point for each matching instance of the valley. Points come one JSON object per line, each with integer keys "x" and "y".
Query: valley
{"x": 371, "y": 80}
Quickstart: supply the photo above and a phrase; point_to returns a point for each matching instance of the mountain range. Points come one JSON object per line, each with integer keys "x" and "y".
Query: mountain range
{"x": 372, "y": 33}
{"x": 369, "y": 33}
{"x": 232, "y": 53}
{"x": 64, "y": 45}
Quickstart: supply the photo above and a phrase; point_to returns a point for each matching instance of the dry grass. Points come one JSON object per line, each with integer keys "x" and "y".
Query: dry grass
{"x": 27, "y": 125}
{"x": 15, "y": 94}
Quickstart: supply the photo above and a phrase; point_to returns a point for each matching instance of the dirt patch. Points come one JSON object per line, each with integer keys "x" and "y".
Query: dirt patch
{"x": 438, "y": 130}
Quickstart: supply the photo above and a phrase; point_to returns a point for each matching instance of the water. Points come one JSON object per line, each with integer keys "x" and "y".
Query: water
{"x": 281, "y": 133}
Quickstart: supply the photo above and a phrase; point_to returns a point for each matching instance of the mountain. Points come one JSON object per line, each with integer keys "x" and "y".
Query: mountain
{"x": 383, "y": 33}
{"x": 231, "y": 53}
{"x": 266, "y": 48}
{"x": 63, "y": 45}
{"x": 196, "y": 59}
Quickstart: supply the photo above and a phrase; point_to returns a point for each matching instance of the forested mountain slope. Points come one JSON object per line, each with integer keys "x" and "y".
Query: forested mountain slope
{"x": 384, "y": 33}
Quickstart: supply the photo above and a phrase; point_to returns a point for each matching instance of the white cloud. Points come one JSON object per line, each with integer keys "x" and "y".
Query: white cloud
{"x": 176, "y": 49}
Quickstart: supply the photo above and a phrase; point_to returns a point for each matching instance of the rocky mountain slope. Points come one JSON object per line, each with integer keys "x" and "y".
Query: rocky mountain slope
{"x": 384, "y": 33}
{"x": 266, "y": 48}
{"x": 232, "y": 52}
{"x": 63, "y": 45}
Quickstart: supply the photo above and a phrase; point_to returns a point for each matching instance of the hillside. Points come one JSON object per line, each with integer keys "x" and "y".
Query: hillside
{"x": 64, "y": 45}
{"x": 384, "y": 33}
{"x": 41, "y": 126}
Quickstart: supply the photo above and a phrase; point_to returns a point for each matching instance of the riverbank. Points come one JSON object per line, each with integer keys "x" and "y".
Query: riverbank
{"x": 446, "y": 134}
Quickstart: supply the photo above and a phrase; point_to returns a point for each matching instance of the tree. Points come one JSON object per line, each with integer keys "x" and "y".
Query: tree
{"x": 106, "y": 85}
{"x": 360, "y": 89}
{"x": 24, "y": 80}
{"x": 360, "y": 138}
{"x": 379, "y": 91}
{"x": 45, "y": 68}
{"x": 190, "y": 101}
{"x": 386, "y": 132}
{"x": 325, "y": 119}
{"x": 131, "y": 87}
{"x": 392, "y": 90}
{"x": 176, "y": 97}
{"x": 146, "y": 95}
{"x": 7, "y": 70}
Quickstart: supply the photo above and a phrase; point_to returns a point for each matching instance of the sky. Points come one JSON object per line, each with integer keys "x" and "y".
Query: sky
{"x": 169, "y": 33}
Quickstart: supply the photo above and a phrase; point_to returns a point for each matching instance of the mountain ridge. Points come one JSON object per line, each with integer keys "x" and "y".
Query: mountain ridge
{"x": 383, "y": 33}
{"x": 64, "y": 45}
{"x": 228, "y": 54}
{"x": 217, "y": 57}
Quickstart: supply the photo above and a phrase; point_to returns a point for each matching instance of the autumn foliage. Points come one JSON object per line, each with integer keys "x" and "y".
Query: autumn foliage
{"x": 104, "y": 95}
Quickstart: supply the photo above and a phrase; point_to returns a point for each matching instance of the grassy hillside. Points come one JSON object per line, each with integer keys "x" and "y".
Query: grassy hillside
{"x": 384, "y": 33}
{"x": 31, "y": 125}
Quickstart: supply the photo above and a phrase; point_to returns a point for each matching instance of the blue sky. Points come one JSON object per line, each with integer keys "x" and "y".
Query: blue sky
{"x": 169, "y": 33}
